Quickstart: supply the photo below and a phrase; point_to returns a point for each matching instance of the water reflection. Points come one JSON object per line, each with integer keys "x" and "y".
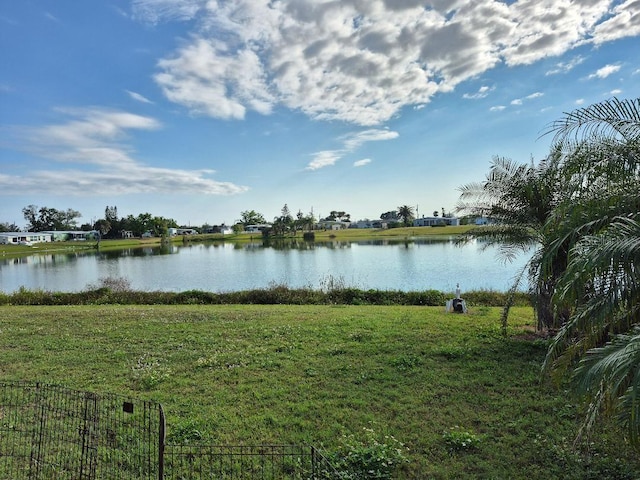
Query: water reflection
{"x": 408, "y": 264}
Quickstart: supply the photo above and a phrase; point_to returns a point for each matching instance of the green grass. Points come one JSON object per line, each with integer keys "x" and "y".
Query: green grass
{"x": 466, "y": 402}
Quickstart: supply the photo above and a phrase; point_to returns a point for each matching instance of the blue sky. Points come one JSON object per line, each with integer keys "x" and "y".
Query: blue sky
{"x": 198, "y": 110}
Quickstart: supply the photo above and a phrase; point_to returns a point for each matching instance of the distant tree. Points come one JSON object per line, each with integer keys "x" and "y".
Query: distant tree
{"x": 341, "y": 216}
{"x": 9, "y": 227}
{"x": 391, "y": 216}
{"x": 102, "y": 226}
{"x": 405, "y": 212}
{"x": 50, "y": 218}
{"x": 283, "y": 223}
{"x": 251, "y": 217}
{"x": 435, "y": 213}
{"x": 115, "y": 224}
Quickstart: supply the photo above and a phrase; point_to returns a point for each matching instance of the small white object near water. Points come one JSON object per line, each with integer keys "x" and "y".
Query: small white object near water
{"x": 457, "y": 304}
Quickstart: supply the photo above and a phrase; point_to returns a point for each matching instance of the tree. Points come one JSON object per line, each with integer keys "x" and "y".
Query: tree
{"x": 251, "y": 217}
{"x": 9, "y": 227}
{"x": 601, "y": 284}
{"x": 405, "y": 213}
{"x": 283, "y": 223}
{"x": 391, "y": 216}
{"x": 521, "y": 198}
{"x": 43, "y": 218}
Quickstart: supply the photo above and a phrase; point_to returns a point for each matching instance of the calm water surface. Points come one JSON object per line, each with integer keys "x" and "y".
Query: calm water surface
{"x": 221, "y": 267}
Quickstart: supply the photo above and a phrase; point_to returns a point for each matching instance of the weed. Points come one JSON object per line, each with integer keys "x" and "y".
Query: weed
{"x": 370, "y": 456}
{"x": 459, "y": 439}
{"x": 148, "y": 372}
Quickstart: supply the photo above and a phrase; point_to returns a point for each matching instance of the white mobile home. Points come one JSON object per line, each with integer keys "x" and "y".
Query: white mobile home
{"x": 24, "y": 238}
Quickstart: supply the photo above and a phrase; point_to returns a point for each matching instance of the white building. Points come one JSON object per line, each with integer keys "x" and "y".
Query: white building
{"x": 24, "y": 238}
{"x": 435, "y": 221}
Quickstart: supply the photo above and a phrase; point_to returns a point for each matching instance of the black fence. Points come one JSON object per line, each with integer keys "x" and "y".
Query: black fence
{"x": 268, "y": 462}
{"x": 52, "y": 432}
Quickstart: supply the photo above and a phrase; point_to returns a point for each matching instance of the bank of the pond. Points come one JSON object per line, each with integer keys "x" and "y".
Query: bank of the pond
{"x": 116, "y": 291}
{"x": 351, "y": 234}
{"x": 466, "y": 402}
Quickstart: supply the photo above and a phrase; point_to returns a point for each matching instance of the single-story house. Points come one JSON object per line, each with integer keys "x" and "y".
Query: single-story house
{"x": 258, "y": 228}
{"x": 24, "y": 238}
{"x": 370, "y": 224}
{"x": 72, "y": 235}
{"x": 332, "y": 225}
{"x": 435, "y": 221}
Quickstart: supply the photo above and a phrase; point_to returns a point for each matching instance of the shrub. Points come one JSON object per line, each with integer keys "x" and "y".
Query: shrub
{"x": 372, "y": 457}
{"x": 459, "y": 439}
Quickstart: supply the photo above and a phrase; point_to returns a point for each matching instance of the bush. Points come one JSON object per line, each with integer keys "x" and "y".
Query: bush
{"x": 371, "y": 457}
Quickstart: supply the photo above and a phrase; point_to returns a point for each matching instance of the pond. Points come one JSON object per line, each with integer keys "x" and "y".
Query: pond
{"x": 409, "y": 265}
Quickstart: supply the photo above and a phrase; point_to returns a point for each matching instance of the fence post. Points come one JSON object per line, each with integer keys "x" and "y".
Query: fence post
{"x": 161, "y": 439}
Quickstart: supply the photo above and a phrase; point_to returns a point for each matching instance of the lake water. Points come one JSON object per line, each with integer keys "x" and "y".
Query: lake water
{"x": 412, "y": 265}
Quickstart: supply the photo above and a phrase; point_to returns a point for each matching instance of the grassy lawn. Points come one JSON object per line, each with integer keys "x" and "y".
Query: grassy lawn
{"x": 312, "y": 374}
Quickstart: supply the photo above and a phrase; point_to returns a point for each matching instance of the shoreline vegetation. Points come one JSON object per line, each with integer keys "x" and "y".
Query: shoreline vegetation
{"x": 351, "y": 234}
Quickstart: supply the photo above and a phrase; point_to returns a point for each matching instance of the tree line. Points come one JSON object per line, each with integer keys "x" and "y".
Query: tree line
{"x": 579, "y": 210}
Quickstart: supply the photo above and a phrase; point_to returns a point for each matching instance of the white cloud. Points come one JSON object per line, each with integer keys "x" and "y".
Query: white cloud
{"x": 624, "y": 21}
{"x": 362, "y": 163}
{"x": 579, "y": 101}
{"x": 325, "y": 158}
{"x": 104, "y": 165}
{"x": 138, "y": 98}
{"x": 362, "y": 62}
{"x": 497, "y": 108}
{"x": 481, "y": 93}
{"x": 566, "y": 67}
{"x": 518, "y": 101}
{"x": 155, "y": 11}
{"x": 350, "y": 143}
{"x": 615, "y": 92}
{"x": 605, "y": 71}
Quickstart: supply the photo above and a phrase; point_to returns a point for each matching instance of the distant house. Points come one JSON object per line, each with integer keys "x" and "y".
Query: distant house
{"x": 126, "y": 234}
{"x": 435, "y": 221}
{"x": 24, "y": 238}
{"x": 332, "y": 224}
{"x": 72, "y": 235}
{"x": 186, "y": 231}
{"x": 257, "y": 228}
{"x": 484, "y": 221}
{"x": 366, "y": 223}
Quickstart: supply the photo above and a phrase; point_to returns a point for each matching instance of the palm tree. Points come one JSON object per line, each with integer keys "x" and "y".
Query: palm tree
{"x": 520, "y": 198}
{"x": 602, "y": 281}
{"x": 405, "y": 212}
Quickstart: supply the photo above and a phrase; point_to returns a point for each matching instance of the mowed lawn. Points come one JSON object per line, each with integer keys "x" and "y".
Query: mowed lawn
{"x": 254, "y": 374}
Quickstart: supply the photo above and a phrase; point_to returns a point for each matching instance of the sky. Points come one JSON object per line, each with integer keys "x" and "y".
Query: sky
{"x": 198, "y": 110}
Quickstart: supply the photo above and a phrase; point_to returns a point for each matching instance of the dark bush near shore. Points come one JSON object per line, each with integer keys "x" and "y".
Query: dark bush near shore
{"x": 273, "y": 295}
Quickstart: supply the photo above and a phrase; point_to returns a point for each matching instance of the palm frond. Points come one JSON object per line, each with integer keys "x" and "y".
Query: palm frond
{"x": 606, "y": 120}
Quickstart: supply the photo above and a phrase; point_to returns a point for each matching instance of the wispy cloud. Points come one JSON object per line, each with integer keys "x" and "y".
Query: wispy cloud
{"x": 497, "y": 108}
{"x": 519, "y": 101}
{"x": 362, "y": 163}
{"x": 361, "y": 62}
{"x": 481, "y": 93}
{"x": 565, "y": 67}
{"x": 605, "y": 71}
{"x": 350, "y": 143}
{"x": 94, "y": 142}
{"x": 137, "y": 97}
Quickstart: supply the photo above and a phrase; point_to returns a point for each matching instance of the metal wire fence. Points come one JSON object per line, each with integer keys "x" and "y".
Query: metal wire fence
{"x": 264, "y": 462}
{"x": 52, "y": 432}
{"x": 49, "y": 431}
